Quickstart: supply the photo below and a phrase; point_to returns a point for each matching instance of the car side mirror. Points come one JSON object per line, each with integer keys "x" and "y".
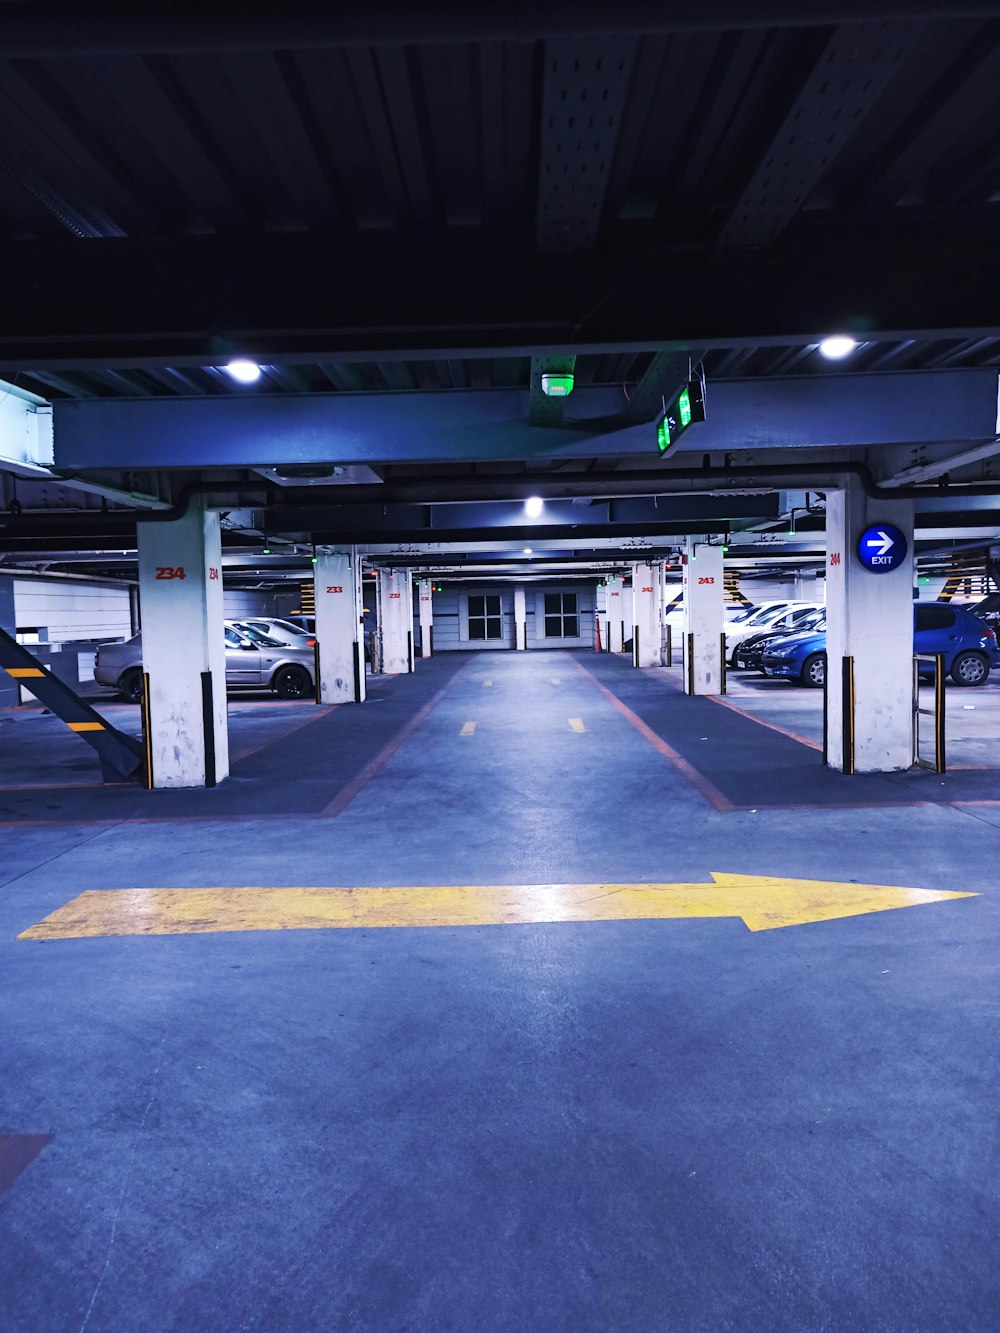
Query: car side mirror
{"x": 247, "y": 644}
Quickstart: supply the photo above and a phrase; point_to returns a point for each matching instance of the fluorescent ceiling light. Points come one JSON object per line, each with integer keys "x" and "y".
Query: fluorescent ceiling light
{"x": 533, "y": 506}
{"x": 245, "y": 372}
{"x": 837, "y": 346}
{"x": 528, "y": 550}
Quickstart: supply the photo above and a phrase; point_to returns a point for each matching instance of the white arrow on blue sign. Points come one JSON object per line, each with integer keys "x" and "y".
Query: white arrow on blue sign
{"x": 882, "y": 548}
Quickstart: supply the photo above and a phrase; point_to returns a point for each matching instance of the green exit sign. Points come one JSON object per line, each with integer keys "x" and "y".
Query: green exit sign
{"x": 686, "y": 407}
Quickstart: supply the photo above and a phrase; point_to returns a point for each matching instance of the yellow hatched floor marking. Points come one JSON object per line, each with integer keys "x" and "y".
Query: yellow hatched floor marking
{"x": 762, "y": 902}
{"x": 86, "y": 726}
{"x": 576, "y": 723}
{"x": 24, "y": 673}
{"x": 468, "y": 729}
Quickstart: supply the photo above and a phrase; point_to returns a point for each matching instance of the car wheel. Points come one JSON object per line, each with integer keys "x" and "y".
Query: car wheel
{"x": 292, "y": 682}
{"x": 130, "y": 686}
{"x": 814, "y": 671}
{"x": 970, "y": 669}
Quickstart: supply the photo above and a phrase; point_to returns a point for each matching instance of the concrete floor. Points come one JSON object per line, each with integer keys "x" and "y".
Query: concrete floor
{"x": 646, "y": 1124}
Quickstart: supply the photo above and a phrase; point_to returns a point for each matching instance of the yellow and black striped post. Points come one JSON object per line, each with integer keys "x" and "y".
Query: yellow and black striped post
{"x": 121, "y": 756}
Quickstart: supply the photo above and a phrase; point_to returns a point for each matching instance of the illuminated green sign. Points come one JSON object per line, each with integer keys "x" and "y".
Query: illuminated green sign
{"x": 686, "y": 406}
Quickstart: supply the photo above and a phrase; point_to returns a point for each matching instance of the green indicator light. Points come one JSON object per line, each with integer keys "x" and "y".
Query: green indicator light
{"x": 663, "y": 436}
{"x": 725, "y": 550}
{"x": 684, "y": 408}
{"x": 557, "y": 386}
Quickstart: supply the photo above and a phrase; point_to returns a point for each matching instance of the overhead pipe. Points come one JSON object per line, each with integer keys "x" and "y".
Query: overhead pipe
{"x": 765, "y": 477}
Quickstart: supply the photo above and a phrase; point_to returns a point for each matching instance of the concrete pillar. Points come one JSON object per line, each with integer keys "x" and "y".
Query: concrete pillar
{"x": 616, "y": 620}
{"x": 645, "y": 616}
{"x": 704, "y": 617}
{"x": 426, "y": 617}
{"x": 183, "y": 649}
{"x": 339, "y": 627}
{"x": 395, "y": 619}
{"x": 520, "y": 620}
{"x": 869, "y": 619}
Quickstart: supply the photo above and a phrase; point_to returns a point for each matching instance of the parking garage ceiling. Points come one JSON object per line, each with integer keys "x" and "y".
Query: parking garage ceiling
{"x": 404, "y": 210}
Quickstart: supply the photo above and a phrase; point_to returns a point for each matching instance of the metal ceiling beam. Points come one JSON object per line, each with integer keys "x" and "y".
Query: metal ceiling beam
{"x": 33, "y": 28}
{"x": 858, "y": 62}
{"x": 830, "y": 412}
{"x": 666, "y": 373}
{"x": 584, "y": 89}
{"x": 279, "y": 298}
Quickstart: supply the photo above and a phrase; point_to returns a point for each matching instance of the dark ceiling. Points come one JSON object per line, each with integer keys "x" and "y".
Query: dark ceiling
{"x": 398, "y": 198}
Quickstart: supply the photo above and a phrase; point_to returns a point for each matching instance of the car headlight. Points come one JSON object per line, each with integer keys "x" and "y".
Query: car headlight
{"x": 780, "y": 652}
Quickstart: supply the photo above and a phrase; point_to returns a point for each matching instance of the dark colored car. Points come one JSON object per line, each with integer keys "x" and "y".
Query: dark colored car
{"x": 750, "y": 652}
{"x": 969, "y": 648}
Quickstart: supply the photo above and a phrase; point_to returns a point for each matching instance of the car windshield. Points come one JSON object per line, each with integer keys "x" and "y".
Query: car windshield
{"x": 284, "y": 625}
{"x": 255, "y": 636}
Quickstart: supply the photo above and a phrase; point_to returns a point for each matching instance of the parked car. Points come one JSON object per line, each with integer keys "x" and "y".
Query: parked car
{"x": 735, "y": 613}
{"x": 281, "y": 630}
{"x": 253, "y": 660}
{"x": 750, "y": 652}
{"x": 969, "y": 648}
{"x": 782, "y": 615}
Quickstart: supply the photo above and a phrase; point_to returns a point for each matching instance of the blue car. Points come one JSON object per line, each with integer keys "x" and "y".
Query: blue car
{"x": 969, "y": 648}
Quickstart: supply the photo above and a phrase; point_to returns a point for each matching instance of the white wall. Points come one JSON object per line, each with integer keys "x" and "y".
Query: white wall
{"x": 65, "y": 609}
{"x": 451, "y": 621}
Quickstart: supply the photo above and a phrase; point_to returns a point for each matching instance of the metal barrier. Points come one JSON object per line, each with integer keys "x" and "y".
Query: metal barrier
{"x": 122, "y": 757}
{"x": 937, "y": 712}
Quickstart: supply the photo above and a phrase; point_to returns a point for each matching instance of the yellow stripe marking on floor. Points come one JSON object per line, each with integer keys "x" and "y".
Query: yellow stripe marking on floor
{"x": 86, "y": 726}
{"x": 24, "y": 673}
{"x": 576, "y": 724}
{"x": 468, "y": 729}
{"x": 762, "y": 902}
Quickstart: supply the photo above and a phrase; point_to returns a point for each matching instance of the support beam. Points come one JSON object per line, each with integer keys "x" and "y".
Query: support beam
{"x": 702, "y": 651}
{"x": 832, "y": 412}
{"x": 449, "y": 296}
{"x": 339, "y": 637}
{"x": 645, "y": 616}
{"x": 869, "y": 641}
{"x": 183, "y": 649}
{"x": 426, "y": 595}
{"x": 395, "y": 620}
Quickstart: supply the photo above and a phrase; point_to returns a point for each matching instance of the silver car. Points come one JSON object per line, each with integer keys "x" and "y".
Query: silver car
{"x": 281, "y": 630}
{"x": 253, "y": 660}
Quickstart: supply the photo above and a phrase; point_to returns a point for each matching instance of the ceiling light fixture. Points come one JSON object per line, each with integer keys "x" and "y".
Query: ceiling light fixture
{"x": 837, "y": 346}
{"x": 528, "y": 551}
{"x": 533, "y": 506}
{"x": 243, "y": 371}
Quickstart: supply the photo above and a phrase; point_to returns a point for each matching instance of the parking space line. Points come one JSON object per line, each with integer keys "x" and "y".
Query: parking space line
{"x": 771, "y": 726}
{"x": 348, "y": 792}
{"x": 705, "y": 789}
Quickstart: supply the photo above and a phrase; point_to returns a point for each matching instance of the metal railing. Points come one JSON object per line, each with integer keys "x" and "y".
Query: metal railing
{"x": 936, "y": 713}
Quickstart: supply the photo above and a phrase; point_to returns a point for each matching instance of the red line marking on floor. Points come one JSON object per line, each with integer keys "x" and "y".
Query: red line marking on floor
{"x": 771, "y": 726}
{"x": 16, "y": 1152}
{"x": 321, "y": 712}
{"x": 701, "y": 784}
{"x": 348, "y": 792}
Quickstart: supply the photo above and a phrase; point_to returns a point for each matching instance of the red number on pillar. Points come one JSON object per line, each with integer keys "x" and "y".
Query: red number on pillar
{"x": 394, "y": 594}
{"x": 170, "y": 572}
{"x": 835, "y": 558}
{"x": 213, "y": 573}
{"x": 703, "y": 580}
{"x": 334, "y": 587}
{"x": 647, "y": 589}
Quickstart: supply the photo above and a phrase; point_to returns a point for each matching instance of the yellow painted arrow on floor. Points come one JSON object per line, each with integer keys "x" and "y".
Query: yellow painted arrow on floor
{"x": 762, "y": 902}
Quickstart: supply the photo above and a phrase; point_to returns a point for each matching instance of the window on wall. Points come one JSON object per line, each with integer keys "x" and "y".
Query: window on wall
{"x": 562, "y": 620}
{"x": 485, "y": 616}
